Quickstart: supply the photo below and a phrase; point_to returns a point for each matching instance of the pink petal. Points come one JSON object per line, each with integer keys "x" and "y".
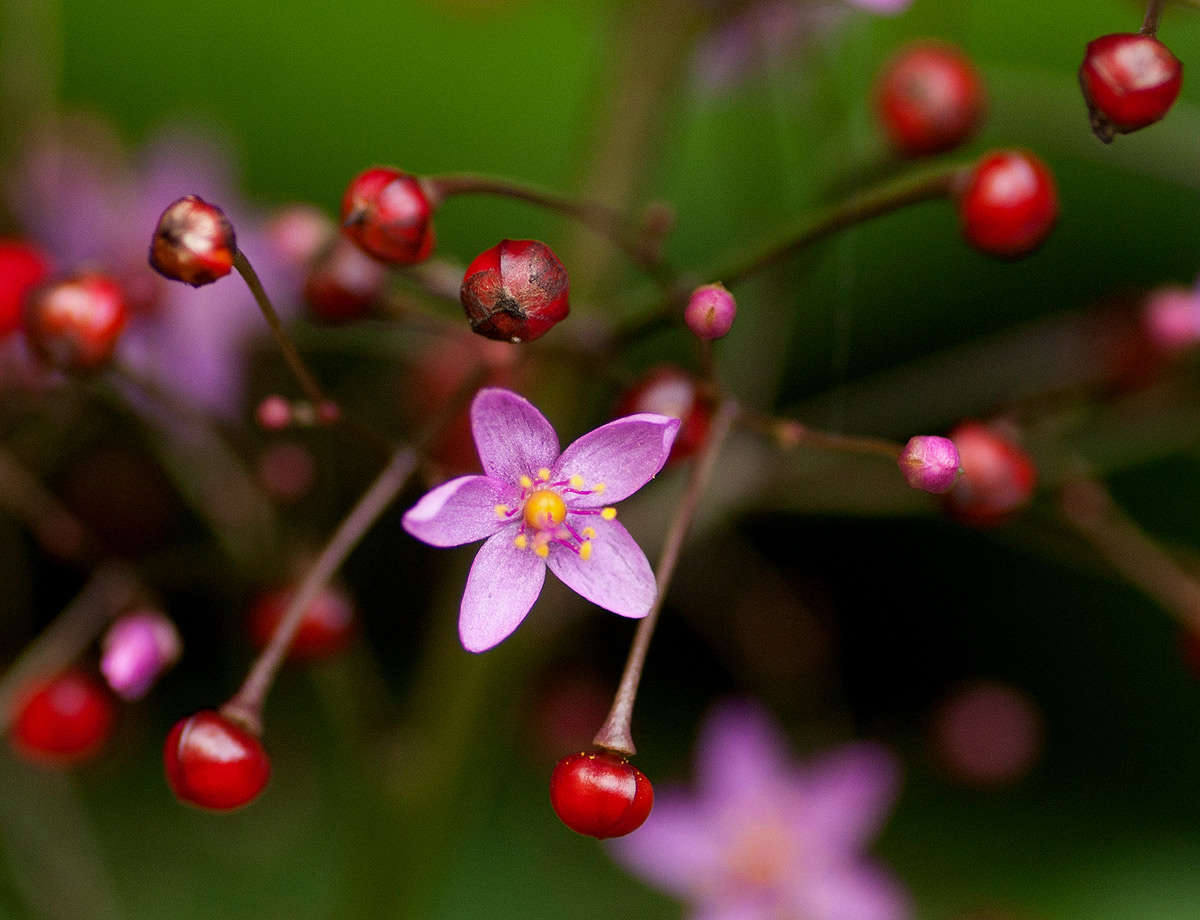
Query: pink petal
{"x": 848, "y": 793}
{"x": 675, "y": 850}
{"x": 624, "y": 455}
{"x": 882, "y": 7}
{"x": 617, "y": 577}
{"x": 503, "y": 584}
{"x": 462, "y": 510}
{"x": 852, "y": 892}
{"x": 741, "y": 754}
{"x": 512, "y": 437}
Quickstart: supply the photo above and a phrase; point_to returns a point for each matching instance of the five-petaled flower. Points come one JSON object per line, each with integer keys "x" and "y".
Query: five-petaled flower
{"x": 538, "y": 507}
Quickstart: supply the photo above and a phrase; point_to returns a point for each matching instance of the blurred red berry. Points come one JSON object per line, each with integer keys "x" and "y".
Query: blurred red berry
{"x": 1009, "y": 203}
{"x": 669, "y": 390}
{"x": 930, "y": 98}
{"x": 515, "y": 291}
{"x": 1129, "y": 81}
{"x": 997, "y": 477}
{"x": 22, "y": 267}
{"x": 344, "y": 284}
{"x": 388, "y": 214}
{"x": 73, "y": 324}
{"x": 326, "y": 629}
{"x": 193, "y": 243}
{"x": 600, "y": 794}
{"x": 212, "y": 763}
{"x": 64, "y": 720}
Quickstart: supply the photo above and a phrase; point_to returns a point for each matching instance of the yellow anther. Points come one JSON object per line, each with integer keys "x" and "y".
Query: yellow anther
{"x": 545, "y": 509}
{"x": 576, "y": 481}
{"x": 526, "y": 482}
{"x": 585, "y": 550}
{"x": 608, "y": 513}
{"x": 501, "y": 511}
{"x": 588, "y": 532}
{"x": 542, "y": 549}
{"x": 544, "y": 474}
{"x": 521, "y": 542}
{"x": 599, "y": 487}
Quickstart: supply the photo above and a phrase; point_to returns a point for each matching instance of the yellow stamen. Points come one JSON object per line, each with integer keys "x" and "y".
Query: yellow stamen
{"x": 526, "y": 482}
{"x": 544, "y": 474}
{"x": 576, "y": 481}
{"x": 599, "y": 487}
{"x": 501, "y": 511}
{"x": 542, "y": 550}
{"x": 608, "y": 513}
{"x": 521, "y": 542}
{"x": 588, "y": 532}
{"x": 545, "y": 509}
{"x": 585, "y": 550}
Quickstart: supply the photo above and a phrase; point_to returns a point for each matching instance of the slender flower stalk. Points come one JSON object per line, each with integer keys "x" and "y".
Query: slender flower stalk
{"x": 789, "y": 434}
{"x": 1153, "y": 12}
{"x": 616, "y": 733}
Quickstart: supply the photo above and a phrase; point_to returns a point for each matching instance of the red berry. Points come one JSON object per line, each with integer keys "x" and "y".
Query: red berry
{"x": 326, "y": 629}
{"x": 73, "y": 324}
{"x": 193, "y": 243}
{"x": 997, "y": 476}
{"x": 22, "y": 268}
{"x": 344, "y": 284}
{"x": 669, "y": 390}
{"x": 1009, "y": 203}
{"x": 388, "y": 214}
{"x": 1129, "y": 81}
{"x": 515, "y": 291}
{"x": 929, "y": 98}
{"x": 600, "y": 794}
{"x": 64, "y": 720}
{"x": 212, "y": 763}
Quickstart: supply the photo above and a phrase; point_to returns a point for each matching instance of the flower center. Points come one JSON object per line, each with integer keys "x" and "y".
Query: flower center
{"x": 545, "y": 510}
{"x": 544, "y": 513}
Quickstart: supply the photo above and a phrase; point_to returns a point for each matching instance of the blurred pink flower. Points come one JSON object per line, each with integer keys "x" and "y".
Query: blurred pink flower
{"x": 765, "y": 837}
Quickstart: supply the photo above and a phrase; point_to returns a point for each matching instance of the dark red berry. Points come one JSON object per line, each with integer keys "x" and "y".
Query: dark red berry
{"x": 930, "y": 98}
{"x": 326, "y": 629}
{"x": 22, "y": 267}
{"x": 1009, "y": 203}
{"x": 213, "y": 763}
{"x": 1129, "y": 81}
{"x": 193, "y": 243}
{"x": 997, "y": 478}
{"x": 515, "y": 291}
{"x": 64, "y": 720}
{"x": 600, "y": 794}
{"x": 669, "y": 390}
{"x": 344, "y": 284}
{"x": 73, "y": 324}
{"x": 388, "y": 214}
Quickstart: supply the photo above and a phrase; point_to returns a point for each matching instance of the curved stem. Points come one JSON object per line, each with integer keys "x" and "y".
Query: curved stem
{"x": 616, "y": 734}
{"x": 1153, "y": 12}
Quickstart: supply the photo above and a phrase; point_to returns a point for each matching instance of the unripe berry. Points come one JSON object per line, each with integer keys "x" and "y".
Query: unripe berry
{"x": 388, "y": 214}
{"x": 930, "y": 98}
{"x": 326, "y": 629}
{"x": 1171, "y": 319}
{"x": 193, "y": 243}
{"x": 710, "y": 311}
{"x": 997, "y": 478}
{"x": 22, "y": 267}
{"x": 212, "y": 763}
{"x": 137, "y": 649}
{"x": 669, "y": 390}
{"x": 1009, "y": 203}
{"x": 73, "y": 324}
{"x": 64, "y": 720}
{"x": 1129, "y": 81}
{"x": 344, "y": 284}
{"x": 929, "y": 463}
{"x": 515, "y": 291}
{"x": 600, "y": 794}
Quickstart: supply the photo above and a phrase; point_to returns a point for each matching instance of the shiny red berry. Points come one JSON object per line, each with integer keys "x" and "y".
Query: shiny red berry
{"x": 930, "y": 98}
{"x": 600, "y": 794}
{"x": 388, "y": 214}
{"x": 73, "y": 324}
{"x": 22, "y": 267}
{"x": 997, "y": 478}
{"x": 193, "y": 242}
{"x": 64, "y": 720}
{"x": 669, "y": 390}
{"x": 1129, "y": 81}
{"x": 327, "y": 627}
{"x": 1009, "y": 203}
{"x": 515, "y": 291}
{"x": 343, "y": 284}
{"x": 213, "y": 763}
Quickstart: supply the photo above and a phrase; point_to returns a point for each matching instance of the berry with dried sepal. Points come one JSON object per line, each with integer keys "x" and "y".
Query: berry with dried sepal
{"x": 929, "y": 463}
{"x": 64, "y": 720}
{"x": 1129, "y": 81}
{"x": 138, "y": 648}
{"x": 929, "y": 99}
{"x": 710, "y": 311}
{"x": 672, "y": 391}
{"x": 1008, "y": 203}
{"x": 22, "y": 268}
{"x": 327, "y": 627}
{"x": 194, "y": 242}
{"x": 73, "y": 324}
{"x": 998, "y": 476}
{"x": 388, "y": 214}
{"x": 213, "y": 763}
{"x": 344, "y": 284}
{"x": 515, "y": 291}
{"x": 600, "y": 794}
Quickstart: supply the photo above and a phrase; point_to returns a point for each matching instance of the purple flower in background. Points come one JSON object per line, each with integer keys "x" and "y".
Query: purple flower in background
{"x": 765, "y": 837}
{"x": 538, "y": 507}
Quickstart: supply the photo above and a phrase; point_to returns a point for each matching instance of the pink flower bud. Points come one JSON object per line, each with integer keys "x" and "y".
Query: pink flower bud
{"x": 929, "y": 463}
{"x": 137, "y": 649}
{"x": 1171, "y": 318}
{"x": 274, "y": 413}
{"x": 710, "y": 311}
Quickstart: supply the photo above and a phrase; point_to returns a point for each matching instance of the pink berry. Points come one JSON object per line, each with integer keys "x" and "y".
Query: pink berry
{"x": 710, "y": 311}
{"x": 600, "y": 794}
{"x": 137, "y": 649}
{"x": 1129, "y": 81}
{"x": 997, "y": 478}
{"x": 1009, "y": 203}
{"x": 929, "y": 463}
{"x": 388, "y": 214}
{"x": 930, "y": 98}
{"x": 73, "y": 324}
{"x": 64, "y": 720}
{"x": 22, "y": 268}
{"x": 214, "y": 764}
{"x": 193, "y": 243}
{"x": 515, "y": 291}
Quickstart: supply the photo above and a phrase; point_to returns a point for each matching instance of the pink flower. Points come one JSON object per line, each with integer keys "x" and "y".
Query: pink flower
{"x": 765, "y": 837}
{"x": 538, "y": 507}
